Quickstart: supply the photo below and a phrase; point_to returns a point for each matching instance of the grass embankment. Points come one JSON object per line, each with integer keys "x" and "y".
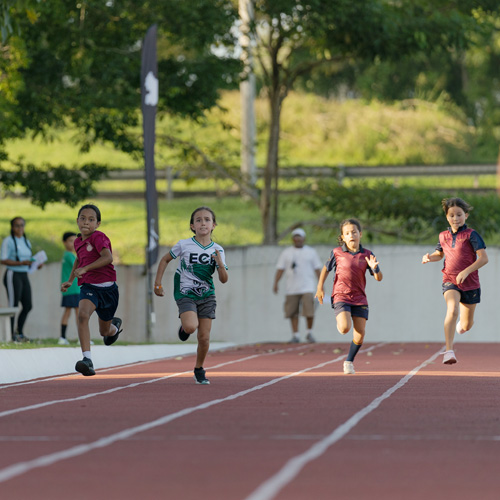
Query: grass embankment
{"x": 314, "y": 131}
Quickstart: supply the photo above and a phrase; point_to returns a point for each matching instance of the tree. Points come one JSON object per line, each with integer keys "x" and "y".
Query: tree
{"x": 78, "y": 65}
{"x": 295, "y": 38}
{"x": 465, "y": 77}
{"x": 404, "y": 213}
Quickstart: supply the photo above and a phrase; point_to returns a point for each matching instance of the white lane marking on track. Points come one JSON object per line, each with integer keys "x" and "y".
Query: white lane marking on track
{"x": 20, "y": 468}
{"x": 37, "y": 406}
{"x": 57, "y": 377}
{"x": 271, "y": 487}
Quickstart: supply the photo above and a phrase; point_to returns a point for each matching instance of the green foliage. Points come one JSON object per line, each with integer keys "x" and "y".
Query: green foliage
{"x": 53, "y": 183}
{"x": 406, "y": 214}
{"x": 463, "y": 75}
{"x": 82, "y": 64}
{"x": 78, "y": 65}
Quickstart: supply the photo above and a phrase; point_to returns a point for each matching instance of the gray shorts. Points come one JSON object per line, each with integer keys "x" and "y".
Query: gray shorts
{"x": 204, "y": 308}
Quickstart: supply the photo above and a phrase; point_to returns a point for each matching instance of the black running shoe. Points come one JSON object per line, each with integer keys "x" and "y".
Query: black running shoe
{"x": 182, "y": 334}
{"x": 111, "y": 340}
{"x": 85, "y": 367}
{"x": 199, "y": 376}
{"x": 20, "y": 338}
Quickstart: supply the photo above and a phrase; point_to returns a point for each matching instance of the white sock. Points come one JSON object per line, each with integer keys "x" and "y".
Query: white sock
{"x": 87, "y": 354}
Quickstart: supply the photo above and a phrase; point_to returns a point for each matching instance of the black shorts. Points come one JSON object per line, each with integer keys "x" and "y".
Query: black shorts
{"x": 105, "y": 299}
{"x": 360, "y": 311}
{"x": 466, "y": 296}
{"x": 70, "y": 300}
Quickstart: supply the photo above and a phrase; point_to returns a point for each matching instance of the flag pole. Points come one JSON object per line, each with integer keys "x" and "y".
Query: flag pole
{"x": 149, "y": 101}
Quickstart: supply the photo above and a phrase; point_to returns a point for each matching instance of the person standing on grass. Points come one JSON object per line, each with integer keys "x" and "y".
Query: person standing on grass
{"x": 464, "y": 253}
{"x": 96, "y": 275}
{"x": 194, "y": 291}
{"x": 301, "y": 266}
{"x": 350, "y": 261}
{"x": 17, "y": 256}
{"x": 71, "y": 296}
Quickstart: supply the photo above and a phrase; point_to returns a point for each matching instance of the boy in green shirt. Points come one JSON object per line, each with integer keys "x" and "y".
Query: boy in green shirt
{"x": 71, "y": 297}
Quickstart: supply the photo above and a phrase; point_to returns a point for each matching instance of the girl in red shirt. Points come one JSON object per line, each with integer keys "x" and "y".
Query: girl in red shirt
{"x": 350, "y": 262}
{"x": 465, "y": 252}
{"x": 97, "y": 278}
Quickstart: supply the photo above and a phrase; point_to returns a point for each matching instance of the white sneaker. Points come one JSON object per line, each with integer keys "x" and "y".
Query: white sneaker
{"x": 449, "y": 358}
{"x": 459, "y": 328}
{"x": 349, "y": 368}
{"x": 295, "y": 339}
{"x": 63, "y": 341}
{"x": 310, "y": 338}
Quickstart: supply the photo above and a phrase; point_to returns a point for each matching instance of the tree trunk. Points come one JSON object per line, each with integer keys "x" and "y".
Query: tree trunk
{"x": 269, "y": 198}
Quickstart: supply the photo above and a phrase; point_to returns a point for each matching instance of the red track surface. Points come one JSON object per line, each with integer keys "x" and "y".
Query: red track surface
{"x": 278, "y": 421}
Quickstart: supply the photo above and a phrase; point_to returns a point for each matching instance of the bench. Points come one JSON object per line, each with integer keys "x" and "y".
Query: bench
{"x": 5, "y": 328}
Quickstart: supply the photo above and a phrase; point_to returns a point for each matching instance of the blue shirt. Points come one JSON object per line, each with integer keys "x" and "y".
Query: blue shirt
{"x": 23, "y": 252}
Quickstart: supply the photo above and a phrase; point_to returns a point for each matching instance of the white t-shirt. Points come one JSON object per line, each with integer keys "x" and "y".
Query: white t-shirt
{"x": 299, "y": 265}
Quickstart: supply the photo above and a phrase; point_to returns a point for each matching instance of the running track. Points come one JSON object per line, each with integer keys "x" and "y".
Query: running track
{"x": 277, "y": 422}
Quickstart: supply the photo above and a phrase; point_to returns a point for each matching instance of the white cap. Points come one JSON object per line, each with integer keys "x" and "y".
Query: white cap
{"x": 299, "y": 232}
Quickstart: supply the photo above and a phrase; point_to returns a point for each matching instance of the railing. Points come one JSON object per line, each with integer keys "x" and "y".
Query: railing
{"x": 339, "y": 172}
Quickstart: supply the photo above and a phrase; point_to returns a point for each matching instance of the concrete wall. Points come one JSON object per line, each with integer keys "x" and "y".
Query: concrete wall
{"x": 406, "y": 306}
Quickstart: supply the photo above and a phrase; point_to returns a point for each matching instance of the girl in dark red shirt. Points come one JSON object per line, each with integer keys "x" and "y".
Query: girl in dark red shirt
{"x": 464, "y": 252}
{"x": 350, "y": 262}
{"x": 97, "y": 278}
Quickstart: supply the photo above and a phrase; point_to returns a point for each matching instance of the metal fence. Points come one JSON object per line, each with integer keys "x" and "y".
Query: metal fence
{"x": 340, "y": 173}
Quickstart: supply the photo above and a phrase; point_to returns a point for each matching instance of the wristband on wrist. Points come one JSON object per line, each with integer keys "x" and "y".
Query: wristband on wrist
{"x": 377, "y": 269}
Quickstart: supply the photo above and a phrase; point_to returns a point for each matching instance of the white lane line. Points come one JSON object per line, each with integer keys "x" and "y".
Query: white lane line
{"x": 270, "y": 488}
{"x": 57, "y": 377}
{"x": 20, "y": 468}
{"x": 37, "y": 406}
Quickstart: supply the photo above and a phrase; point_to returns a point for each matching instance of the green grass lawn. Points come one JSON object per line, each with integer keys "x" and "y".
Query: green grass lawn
{"x": 239, "y": 223}
{"x": 42, "y": 343}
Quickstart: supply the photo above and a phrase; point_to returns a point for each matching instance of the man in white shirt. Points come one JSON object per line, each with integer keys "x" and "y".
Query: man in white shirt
{"x": 301, "y": 266}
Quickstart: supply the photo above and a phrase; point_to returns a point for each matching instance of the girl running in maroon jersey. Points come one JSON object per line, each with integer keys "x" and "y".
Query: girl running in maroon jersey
{"x": 464, "y": 252}
{"x": 97, "y": 278}
{"x": 350, "y": 262}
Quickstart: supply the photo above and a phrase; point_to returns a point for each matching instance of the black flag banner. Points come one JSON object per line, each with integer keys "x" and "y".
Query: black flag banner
{"x": 149, "y": 92}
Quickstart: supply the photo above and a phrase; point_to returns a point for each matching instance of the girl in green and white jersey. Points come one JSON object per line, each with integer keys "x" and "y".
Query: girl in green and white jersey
{"x": 194, "y": 291}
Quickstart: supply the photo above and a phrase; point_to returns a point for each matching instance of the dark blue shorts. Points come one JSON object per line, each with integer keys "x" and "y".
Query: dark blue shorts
{"x": 70, "y": 300}
{"x": 359, "y": 311}
{"x": 466, "y": 296}
{"x": 105, "y": 299}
